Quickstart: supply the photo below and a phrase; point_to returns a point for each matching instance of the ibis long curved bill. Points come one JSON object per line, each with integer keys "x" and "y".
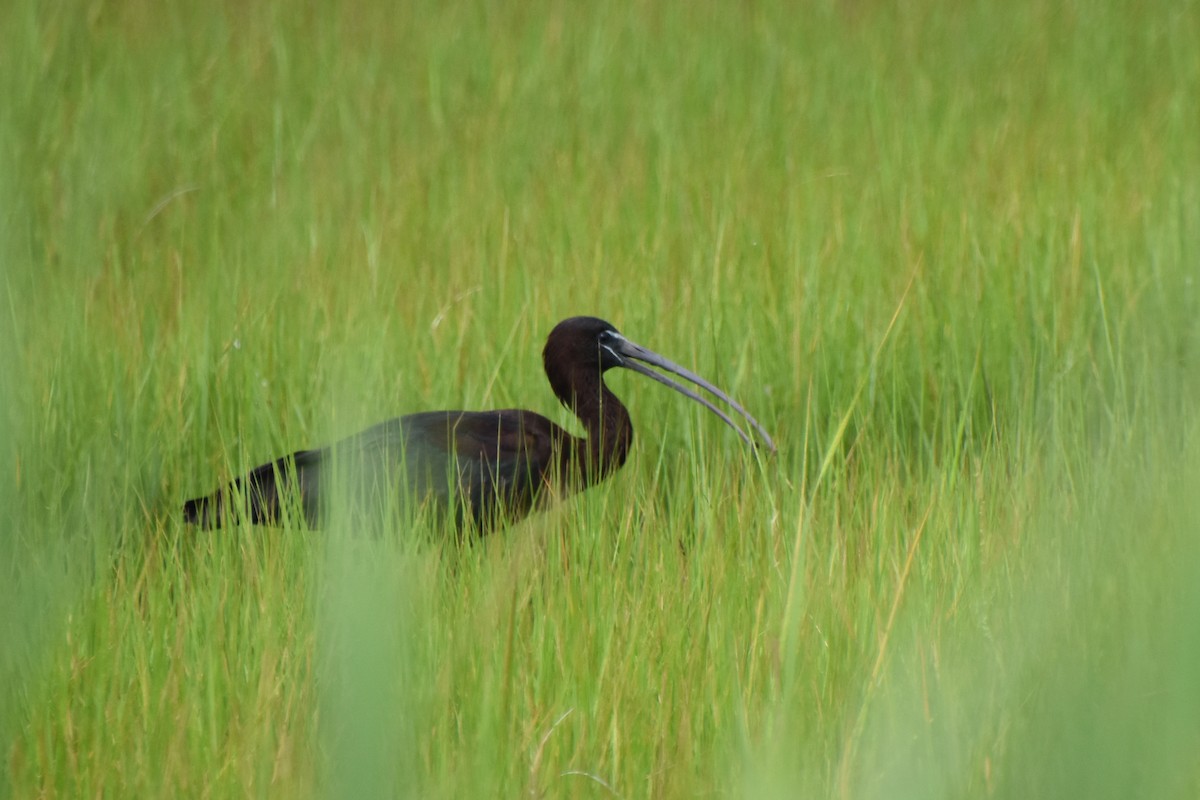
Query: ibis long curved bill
{"x": 630, "y": 353}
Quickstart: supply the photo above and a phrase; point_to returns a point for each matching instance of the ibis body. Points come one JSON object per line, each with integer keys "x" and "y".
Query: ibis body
{"x": 481, "y": 468}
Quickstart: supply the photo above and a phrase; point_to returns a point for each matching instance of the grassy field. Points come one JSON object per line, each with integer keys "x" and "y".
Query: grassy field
{"x": 948, "y": 253}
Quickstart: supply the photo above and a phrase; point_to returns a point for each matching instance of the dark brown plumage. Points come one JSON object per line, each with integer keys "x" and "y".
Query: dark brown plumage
{"x": 482, "y": 468}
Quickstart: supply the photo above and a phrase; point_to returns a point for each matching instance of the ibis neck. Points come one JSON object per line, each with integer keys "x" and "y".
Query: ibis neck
{"x": 609, "y": 430}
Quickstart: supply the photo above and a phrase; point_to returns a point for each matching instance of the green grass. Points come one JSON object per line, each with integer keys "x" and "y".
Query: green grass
{"x": 949, "y": 254}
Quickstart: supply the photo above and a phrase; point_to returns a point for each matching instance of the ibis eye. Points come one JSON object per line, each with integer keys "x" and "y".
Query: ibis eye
{"x": 608, "y": 352}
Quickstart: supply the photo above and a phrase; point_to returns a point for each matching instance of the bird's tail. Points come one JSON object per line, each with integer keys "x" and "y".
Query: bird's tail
{"x": 205, "y": 511}
{"x": 255, "y": 495}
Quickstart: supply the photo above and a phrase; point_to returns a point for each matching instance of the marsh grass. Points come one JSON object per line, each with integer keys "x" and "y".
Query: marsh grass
{"x": 948, "y": 255}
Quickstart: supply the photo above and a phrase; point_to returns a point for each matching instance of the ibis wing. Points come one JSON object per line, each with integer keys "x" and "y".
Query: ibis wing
{"x": 480, "y": 466}
{"x": 476, "y": 467}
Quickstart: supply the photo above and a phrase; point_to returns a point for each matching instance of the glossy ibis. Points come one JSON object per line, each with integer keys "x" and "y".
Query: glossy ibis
{"x": 483, "y": 468}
